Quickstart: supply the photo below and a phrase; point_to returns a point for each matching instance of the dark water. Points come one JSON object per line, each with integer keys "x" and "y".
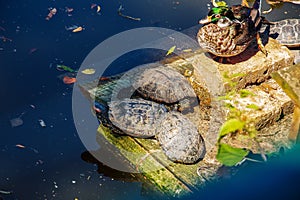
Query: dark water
{"x": 54, "y": 164}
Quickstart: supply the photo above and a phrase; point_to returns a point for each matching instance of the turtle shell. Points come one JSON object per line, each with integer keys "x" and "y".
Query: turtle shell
{"x": 287, "y": 32}
{"x": 163, "y": 84}
{"x": 179, "y": 138}
{"x": 136, "y": 117}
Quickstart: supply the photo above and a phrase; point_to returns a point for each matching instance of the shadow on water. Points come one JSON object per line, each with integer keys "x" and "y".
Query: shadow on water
{"x": 108, "y": 171}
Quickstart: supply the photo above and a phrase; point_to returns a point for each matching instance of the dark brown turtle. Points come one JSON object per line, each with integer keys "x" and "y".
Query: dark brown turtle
{"x": 165, "y": 85}
{"x": 136, "y": 117}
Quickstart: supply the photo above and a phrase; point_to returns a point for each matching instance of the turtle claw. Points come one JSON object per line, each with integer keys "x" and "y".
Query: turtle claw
{"x": 261, "y": 46}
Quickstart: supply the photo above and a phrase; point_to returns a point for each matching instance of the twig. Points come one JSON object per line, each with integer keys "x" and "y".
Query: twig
{"x": 5, "y": 192}
{"x": 127, "y": 16}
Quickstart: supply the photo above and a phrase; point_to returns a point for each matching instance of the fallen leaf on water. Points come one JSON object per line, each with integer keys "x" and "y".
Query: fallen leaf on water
{"x": 77, "y": 29}
{"x": 20, "y": 146}
{"x": 52, "y": 12}
{"x": 103, "y": 78}
{"x": 5, "y": 192}
{"x": 16, "y": 122}
{"x": 31, "y": 51}
{"x": 88, "y": 71}
{"x": 171, "y": 50}
{"x": 96, "y": 6}
{"x": 64, "y": 68}
{"x": 68, "y": 10}
{"x": 98, "y": 9}
{"x": 69, "y": 80}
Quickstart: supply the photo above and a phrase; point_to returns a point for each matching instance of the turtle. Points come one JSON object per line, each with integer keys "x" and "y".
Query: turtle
{"x": 179, "y": 138}
{"x": 286, "y": 31}
{"x": 165, "y": 85}
{"x": 230, "y": 31}
{"x": 136, "y": 117}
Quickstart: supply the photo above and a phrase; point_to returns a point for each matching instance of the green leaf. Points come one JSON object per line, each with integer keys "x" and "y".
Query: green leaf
{"x": 230, "y": 126}
{"x": 253, "y": 106}
{"x": 245, "y": 93}
{"x": 230, "y": 156}
{"x": 219, "y": 3}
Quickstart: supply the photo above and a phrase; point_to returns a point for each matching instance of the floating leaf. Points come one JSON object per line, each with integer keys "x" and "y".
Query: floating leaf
{"x": 20, "y": 146}
{"x": 98, "y": 9}
{"x": 69, "y": 80}
{"x": 230, "y": 156}
{"x": 16, "y": 122}
{"x": 171, "y": 50}
{"x": 88, "y": 71}
{"x": 52, "y": 12}
{"x": 64, "y": 68}
{"x": 230, "y": 126}
{"x": 77, "y": 29}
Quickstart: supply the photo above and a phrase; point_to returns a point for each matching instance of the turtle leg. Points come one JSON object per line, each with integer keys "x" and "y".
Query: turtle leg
{"x": 261, "y": 45}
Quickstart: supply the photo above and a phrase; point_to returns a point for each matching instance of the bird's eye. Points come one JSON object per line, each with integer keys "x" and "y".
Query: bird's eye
{"x": 218, "y": 16}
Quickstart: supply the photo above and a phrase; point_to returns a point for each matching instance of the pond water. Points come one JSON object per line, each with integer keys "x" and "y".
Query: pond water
{"x": 51, "y": 162}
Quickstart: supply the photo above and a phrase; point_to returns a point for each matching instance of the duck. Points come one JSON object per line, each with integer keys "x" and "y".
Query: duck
{"x": 228, "y": 31}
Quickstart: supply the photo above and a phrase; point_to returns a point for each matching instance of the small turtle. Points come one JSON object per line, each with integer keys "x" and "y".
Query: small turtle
{"x": 230, "y": 31}
{"x": 179, "y": 138}
{"x": 136, "y": 117}
{"x": 287, "y": 32}
{"x": 165, "y": 85}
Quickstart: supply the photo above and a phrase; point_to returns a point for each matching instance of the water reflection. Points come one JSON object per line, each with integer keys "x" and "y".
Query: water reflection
{"x": 108, "y": 171}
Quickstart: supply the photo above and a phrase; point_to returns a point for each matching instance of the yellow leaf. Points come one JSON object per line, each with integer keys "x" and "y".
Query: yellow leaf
{"x": 77, "y": 29}
{"x": 98, "y": 9}
{"x": 88, "y": 71}
{"x": 171, "y": 50}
